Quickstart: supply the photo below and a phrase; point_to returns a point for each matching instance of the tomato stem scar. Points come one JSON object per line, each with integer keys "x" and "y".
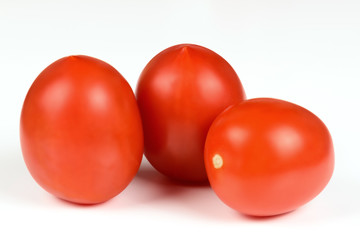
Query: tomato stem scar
{"x": 217, "y": 161}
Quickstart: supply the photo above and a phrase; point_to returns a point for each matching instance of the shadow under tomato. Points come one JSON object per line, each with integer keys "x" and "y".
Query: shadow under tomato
{"x": 146, "y": 187}
{"x": 77, "y": 205}
{"x": 150, "y": 187}
{"x": 266, "y": 218}
{"x": 148, "y": 173}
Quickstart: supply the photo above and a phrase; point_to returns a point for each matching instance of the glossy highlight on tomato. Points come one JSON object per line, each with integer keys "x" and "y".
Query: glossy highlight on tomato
{"x": 80, "y": 130}
{"x": 179, "y": 93}
{"x": 266, "y": 156}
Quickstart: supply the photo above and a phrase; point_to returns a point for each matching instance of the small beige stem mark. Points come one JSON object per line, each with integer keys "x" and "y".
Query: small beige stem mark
{"x": 217, "y": 161}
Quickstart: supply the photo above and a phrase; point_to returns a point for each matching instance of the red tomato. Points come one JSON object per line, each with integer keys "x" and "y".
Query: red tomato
{"x": 81, "y": 133}
{"x": 266, "y": 156}
{"x": 179, "y": 93}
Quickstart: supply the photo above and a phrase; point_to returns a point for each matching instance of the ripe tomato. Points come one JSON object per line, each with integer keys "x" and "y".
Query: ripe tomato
{"x": 80, "y": 129}
{"x": 266, "y": 156}
{"x": 179, "y": 93}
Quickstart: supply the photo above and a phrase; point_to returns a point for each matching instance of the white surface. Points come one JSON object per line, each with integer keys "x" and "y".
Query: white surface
{"x": 307, "y": 52}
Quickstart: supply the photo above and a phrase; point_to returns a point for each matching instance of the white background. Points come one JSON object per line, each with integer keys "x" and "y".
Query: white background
{"x": 307, "y": 52}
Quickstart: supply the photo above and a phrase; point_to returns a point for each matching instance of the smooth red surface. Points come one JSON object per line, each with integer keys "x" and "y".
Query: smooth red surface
{"x": 179, "y": 93}
{"x": 276, "y": 156}
{"x": 80, "y": 129}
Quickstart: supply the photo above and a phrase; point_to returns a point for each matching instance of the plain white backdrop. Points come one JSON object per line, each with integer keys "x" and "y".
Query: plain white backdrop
{"x": 306, "y": 52}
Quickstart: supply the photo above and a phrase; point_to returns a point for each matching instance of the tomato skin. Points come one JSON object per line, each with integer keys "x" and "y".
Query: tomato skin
{"x": 80, "y": 130}
{"x": 179, "y": 93}
{"x": 266, "y": 156}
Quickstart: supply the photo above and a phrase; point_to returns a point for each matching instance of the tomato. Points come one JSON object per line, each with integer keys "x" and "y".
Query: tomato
{"x": 81, "y": 132}
{"x": 179, "y": 93}
{"x": 266, "y": 156}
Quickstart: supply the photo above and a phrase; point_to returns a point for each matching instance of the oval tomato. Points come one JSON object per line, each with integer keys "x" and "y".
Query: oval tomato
{"x": 179, "y": 93}
{"x": 266, "y": 156}
{"x": 80, "y": 129}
